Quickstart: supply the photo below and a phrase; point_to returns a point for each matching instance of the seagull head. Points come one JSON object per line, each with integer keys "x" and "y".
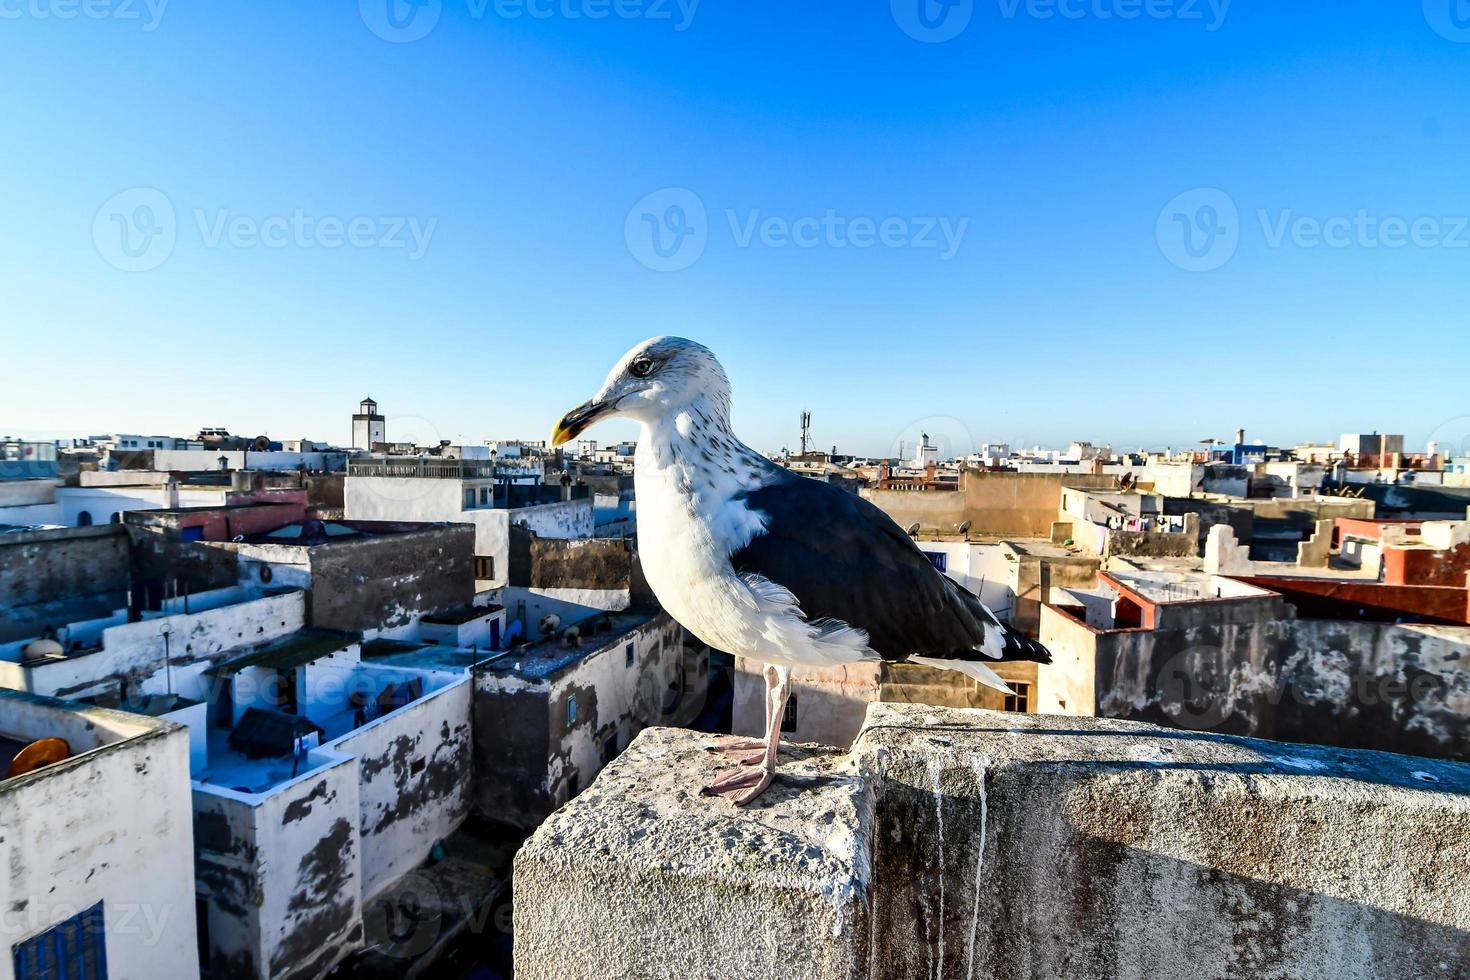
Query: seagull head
{"x": 658, "y": 378}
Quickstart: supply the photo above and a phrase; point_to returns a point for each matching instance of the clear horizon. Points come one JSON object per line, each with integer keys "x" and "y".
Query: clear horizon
{"x": 1021, "y": 221}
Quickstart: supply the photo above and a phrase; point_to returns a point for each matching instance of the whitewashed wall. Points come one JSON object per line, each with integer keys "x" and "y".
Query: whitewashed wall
{"x": 110, "y": 825}
{"x": 414, "y": 766}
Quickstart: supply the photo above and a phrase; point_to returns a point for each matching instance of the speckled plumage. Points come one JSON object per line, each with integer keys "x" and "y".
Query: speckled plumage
{"x": 757, "y": 561}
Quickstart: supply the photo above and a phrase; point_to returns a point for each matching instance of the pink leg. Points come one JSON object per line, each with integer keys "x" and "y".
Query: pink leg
{"x": 736, "y": 748}
{"x": 744, "y": 784}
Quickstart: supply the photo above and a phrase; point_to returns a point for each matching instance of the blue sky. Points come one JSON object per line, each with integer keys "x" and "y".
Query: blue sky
{"x": 1066, "y": 147}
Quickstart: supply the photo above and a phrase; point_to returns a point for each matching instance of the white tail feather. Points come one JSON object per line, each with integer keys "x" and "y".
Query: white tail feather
{"x": 970, "y": 668}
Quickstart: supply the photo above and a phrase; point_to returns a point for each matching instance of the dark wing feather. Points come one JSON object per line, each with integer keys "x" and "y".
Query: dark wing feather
{"x": 844, "y": 559}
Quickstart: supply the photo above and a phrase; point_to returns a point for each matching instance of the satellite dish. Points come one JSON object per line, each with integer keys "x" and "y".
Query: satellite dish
{"x": 262, "y": 443}
{"x": 1127, "y": 481}
{"x": 965, "y": 527}
{"x": 38, "y": 755}
{"x": 549, "y": 624}
{"x": 912, "y": 530}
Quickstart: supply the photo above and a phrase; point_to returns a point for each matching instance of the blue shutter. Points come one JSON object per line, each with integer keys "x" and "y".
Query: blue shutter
{"x": 72, "y": 950}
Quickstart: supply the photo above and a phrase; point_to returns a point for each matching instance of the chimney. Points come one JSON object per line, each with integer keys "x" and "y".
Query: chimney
{"x": 1240, "y": 437}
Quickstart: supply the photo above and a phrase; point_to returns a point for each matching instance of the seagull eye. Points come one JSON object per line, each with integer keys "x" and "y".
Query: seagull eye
{"x": 641, "y": 368}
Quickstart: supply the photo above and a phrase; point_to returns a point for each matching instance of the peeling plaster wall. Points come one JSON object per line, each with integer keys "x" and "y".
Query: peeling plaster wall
{"x": 1351, "y": 684}
{"x": 526, "y": 755}
{"x": 134, "y": 652}
{"x": 614, "y": 702}
{"x": 281, "y": 873}
{"x": 381, "y": 581}
{"x": 415, "y": 769}
{"x": 109, "y": 825}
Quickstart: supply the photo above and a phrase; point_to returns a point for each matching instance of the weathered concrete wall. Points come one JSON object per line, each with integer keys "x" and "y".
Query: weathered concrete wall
{"x": 969, "y": 844}
{"x": 640, "y": 877}
{"x": 389, "y": 580}
{"x": 579, "y": 563}
{"x": 414, "y": 766}
{"x": 512, "y": 749}
{"x": 1353, "y": 684}
{"x": 110, "y": 825}
{"x": 615, "y": 701}
{"x": 1036, "y": 848}
{"x": 1019, "y": 504}
{"x": 281, "y": 873}
{"x": 529, "y": 759}
{"x": 132, "y": 659}
{"x": 54, "y": 577}
{"x": 163, "y": 561}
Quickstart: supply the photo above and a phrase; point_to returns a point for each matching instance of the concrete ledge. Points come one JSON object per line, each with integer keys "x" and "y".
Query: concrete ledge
{"x": 965, "y": 843}
{"x": 642, "y": 877}
{"x": 1032, "y": 846}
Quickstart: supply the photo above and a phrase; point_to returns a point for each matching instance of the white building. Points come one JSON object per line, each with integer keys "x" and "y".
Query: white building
{"x": 97, "y": 848}
{"x": 467, "y": 492}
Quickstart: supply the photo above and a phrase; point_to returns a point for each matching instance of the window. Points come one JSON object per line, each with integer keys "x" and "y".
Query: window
{"x": 484, "y": 496}
{"x": 628, "y": 657}
{"x": 73, "y": 948}
{"x": 84, "y": 518}
{"x": 484, "y": 567}
{"x": 610, "y": 748}
{"x": 1021, "y": 700}
{"x": 469, "y": 499}
{"x": 571, "y": 710}
{"x": 788, "y": 717}
{"x": 938, "y": 559}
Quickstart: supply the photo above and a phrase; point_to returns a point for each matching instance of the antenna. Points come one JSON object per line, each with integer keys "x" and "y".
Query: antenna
{"x": 806, "y": 431}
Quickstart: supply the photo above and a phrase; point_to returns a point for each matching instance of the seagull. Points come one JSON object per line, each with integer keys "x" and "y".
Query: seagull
{"x": 776, "y": 567}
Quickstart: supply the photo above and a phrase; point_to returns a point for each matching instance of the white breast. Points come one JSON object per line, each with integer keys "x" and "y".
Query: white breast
{"x": 690, "y": 520}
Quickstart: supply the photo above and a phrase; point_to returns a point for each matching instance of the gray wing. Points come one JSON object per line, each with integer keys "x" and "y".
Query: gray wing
{"x": 844, "y": 559}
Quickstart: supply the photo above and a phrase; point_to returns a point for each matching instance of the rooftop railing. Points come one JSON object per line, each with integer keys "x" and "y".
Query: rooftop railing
{"x": 419, "y": 467}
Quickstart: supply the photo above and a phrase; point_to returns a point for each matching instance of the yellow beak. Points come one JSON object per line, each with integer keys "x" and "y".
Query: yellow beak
{"x": 575, "y": 422}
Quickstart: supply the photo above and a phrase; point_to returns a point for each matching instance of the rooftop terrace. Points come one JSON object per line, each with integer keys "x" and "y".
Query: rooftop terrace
{"x": 549, "y": 656}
